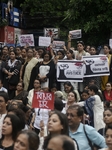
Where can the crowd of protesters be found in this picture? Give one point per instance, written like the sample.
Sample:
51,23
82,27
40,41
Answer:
82,115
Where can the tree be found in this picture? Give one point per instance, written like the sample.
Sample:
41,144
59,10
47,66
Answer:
93,17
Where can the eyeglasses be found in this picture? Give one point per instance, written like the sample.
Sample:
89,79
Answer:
108,85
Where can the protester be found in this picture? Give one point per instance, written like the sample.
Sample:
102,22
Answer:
105,79
83,134
11,70
107,117
27,68
3,111
26,140
57,125
10,129
46,71
98,107
19,94
108,138
108,92
68,87
61,142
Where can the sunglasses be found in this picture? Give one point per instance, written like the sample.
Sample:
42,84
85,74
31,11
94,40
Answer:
81,42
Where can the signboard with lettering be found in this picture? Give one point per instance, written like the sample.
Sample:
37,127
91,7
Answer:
26,39
43,100
70,70
96,65
75,34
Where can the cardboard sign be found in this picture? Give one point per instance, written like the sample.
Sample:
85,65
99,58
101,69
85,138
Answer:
70,71
96,65
44,41
75,34
26,39
51,32
58,45
43,100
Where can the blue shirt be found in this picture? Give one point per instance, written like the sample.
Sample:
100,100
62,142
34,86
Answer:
82,140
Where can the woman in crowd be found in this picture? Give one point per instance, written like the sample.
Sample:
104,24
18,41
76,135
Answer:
105,79
37,88
68,87
19,94
27,68
11,70
97,107
46,71
108,138
107,117
26,140
70,55
108,92
71,100
10,128
5,54
57,124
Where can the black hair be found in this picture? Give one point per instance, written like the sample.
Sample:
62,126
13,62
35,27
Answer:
64,122
33,139
106,46
80,110
85,91
5,96
75,94
15,124
80,42
18,112
47,52
108,127
69,84
58,105
95,89
61,51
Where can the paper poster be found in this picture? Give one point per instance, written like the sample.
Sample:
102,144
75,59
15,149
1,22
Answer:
58,45
51,32
75,34
44,41
26,39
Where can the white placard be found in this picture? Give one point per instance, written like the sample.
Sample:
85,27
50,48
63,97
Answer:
75,34
26,39
44,41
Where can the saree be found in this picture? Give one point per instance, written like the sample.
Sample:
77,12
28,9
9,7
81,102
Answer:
27,72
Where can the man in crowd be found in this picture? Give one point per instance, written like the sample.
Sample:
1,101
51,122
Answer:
84,135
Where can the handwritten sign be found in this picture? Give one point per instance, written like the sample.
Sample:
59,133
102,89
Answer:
44,41
75,34
43,100
26,39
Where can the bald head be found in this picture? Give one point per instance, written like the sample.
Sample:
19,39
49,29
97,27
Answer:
61,142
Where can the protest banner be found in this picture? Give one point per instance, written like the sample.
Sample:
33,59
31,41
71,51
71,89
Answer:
58,45
51,32
26,39
43,100
75,34
70,71
95,65
44,41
